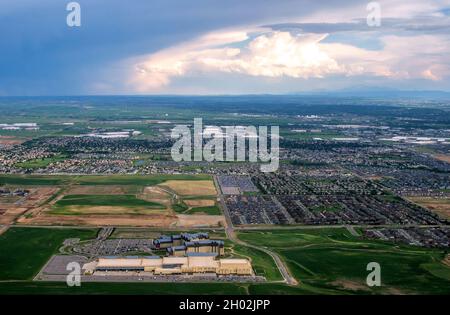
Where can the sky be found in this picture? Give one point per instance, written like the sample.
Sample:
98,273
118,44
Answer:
223,47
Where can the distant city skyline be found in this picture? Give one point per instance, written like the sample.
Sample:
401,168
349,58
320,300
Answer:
223,47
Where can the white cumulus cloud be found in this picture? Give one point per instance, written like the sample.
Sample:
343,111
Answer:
275,54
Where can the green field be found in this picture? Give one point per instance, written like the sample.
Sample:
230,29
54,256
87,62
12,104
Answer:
34,180
331,260
74,204
107,200
41,163
123,288
138,180
262,263
179,207
149,233
24,251
309,135
326,261
212,210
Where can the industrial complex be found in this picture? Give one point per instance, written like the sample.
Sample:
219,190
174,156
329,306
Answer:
187,253
191,263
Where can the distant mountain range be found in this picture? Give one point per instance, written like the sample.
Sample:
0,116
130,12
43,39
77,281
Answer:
382,93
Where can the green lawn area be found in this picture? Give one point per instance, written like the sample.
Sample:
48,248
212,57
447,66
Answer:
24,251
211,210
180,207
40,163
331,260
32,180
142,180
262,263
324,260
80,204
139,180
309,135
107,200
61,288
99,288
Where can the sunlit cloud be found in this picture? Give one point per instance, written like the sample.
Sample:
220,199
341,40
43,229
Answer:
275,54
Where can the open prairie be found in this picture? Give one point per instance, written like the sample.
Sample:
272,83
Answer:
113,200
442,157
439,205
192,188
325,260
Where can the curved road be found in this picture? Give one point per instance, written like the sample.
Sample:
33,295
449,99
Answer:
280,264
229,230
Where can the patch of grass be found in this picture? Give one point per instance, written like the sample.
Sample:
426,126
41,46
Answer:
138,180
107,200
83,204
321,258
21,180
141,180
103,288
262,263
332,208
24,251
199,197
41,163
180,207
211,210
391,198
309,135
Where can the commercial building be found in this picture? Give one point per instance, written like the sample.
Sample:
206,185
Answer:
166,241
180,245
201,246
191,263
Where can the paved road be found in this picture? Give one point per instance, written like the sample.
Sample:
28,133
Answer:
280,264
229,230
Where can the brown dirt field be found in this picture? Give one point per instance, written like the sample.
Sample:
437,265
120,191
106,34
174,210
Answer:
88,210
192,187
29,204
39,195
442,157
155,220
102,220
8,200
156,194
10,215
96,190
194,220
350,285
395,291
34,210
441,206
124,233
199,203
9,140
446,260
